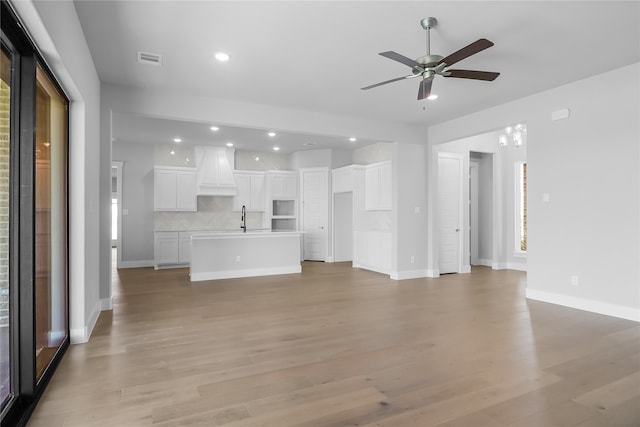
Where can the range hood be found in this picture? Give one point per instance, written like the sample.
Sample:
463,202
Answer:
214,174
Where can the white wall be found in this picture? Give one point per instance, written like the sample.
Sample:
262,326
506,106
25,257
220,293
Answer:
589,166
55,29
136,241
409,216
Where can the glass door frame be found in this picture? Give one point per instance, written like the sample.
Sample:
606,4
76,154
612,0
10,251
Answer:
27,389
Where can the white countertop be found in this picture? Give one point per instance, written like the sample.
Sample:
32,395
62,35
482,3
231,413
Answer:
240,234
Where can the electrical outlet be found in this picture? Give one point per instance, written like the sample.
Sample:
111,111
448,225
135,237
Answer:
574,281
413,259
237,258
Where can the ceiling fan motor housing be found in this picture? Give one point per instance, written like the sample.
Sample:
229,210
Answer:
429,60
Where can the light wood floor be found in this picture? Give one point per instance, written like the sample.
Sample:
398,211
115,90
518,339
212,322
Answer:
337,346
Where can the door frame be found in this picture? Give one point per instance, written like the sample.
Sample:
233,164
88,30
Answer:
327,217
474,217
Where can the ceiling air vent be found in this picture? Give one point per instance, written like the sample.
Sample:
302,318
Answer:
149,58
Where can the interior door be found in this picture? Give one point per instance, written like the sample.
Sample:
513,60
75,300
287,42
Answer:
450,211
314,184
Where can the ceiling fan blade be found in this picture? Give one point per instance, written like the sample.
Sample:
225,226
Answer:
467,51
425,89
400,58
410,76
471,74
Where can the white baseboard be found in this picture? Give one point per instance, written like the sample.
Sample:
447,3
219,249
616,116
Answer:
250,272
106,304
433,272
466,269
408,274
514,266
82,335
592,306
136,264
329,259
485,262
508,266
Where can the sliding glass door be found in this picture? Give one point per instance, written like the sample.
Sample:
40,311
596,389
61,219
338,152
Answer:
6,386
34,285
50,220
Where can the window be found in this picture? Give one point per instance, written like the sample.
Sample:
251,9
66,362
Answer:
6,386
521,207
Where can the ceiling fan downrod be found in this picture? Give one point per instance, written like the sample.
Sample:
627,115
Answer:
427,24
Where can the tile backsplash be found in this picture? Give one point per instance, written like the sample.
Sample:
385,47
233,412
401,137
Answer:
214,213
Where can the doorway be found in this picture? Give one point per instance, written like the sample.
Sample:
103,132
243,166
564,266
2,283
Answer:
116,209
481,208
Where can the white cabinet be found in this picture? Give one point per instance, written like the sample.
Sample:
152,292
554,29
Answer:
378,186
282,192
184,247
342,179
283,185
167,249
250,191
175,189
172,248
373,251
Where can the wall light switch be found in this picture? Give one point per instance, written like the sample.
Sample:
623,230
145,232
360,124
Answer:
237,258
125,211
545,197
416,209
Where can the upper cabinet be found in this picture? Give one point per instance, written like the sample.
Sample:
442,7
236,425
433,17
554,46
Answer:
378,186
250,191
214,171
343,180
175,189
283,185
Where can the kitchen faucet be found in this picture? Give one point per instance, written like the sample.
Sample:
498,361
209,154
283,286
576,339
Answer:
243,220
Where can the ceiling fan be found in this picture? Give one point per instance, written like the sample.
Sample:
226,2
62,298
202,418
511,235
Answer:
428,66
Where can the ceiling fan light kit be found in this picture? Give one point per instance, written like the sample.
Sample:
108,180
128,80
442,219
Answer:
428,65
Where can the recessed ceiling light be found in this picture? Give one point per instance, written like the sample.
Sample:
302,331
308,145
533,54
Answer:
229,144
214,128
177,140
432,97
222,57
352,139
271,134
172,152
276,148
257,159
309,144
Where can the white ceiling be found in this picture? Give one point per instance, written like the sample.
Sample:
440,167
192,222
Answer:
317,55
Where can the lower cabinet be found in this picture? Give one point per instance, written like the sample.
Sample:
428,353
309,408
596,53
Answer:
373,251
172,248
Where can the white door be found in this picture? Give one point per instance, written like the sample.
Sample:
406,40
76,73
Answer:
314,186
450,211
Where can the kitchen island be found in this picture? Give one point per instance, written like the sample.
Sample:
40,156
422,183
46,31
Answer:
250,254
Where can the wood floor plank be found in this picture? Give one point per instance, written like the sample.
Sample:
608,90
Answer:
337,346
